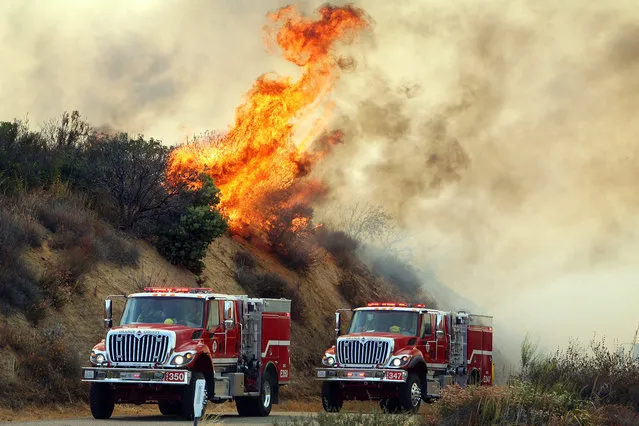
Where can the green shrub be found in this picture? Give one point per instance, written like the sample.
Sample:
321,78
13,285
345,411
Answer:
186,242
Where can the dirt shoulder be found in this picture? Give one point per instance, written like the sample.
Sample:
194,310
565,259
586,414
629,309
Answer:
60,412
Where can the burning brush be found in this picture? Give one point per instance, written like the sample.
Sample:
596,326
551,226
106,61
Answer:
262,172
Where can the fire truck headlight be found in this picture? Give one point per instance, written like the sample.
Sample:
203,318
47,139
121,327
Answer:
329,360
400,361
97,357
183,359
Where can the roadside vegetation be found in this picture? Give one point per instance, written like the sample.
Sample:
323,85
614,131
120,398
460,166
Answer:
581,385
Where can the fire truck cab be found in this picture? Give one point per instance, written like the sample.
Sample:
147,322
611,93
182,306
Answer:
402,354
168,338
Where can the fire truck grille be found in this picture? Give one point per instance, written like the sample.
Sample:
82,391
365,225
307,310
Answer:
360,352
142,348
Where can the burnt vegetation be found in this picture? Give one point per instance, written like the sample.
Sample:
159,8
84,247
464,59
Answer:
264,284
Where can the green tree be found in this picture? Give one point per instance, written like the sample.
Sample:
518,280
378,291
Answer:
186,242
124,177
25,161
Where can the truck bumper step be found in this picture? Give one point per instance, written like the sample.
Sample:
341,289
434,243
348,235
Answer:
361,375
136,375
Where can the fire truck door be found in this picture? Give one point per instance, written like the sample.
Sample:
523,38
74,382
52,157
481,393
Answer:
232,329
426,342
441,337
215,328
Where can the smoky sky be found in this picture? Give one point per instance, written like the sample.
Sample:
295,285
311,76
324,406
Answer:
165,69
504,131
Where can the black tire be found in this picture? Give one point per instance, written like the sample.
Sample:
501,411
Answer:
260,406
101,401
245,406
389,405
474,379
170,408
332,398
410,394
188,395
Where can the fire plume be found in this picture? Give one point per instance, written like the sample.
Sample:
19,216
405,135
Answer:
268,150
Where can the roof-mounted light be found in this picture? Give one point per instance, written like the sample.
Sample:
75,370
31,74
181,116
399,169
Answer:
177,290
387,304
394,305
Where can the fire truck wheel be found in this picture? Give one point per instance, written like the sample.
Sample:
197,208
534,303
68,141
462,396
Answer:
266,395
170,408
101,401
188,395
410,394
474,379
389,405
258,406
332,398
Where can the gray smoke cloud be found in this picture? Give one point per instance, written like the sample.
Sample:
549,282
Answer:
505,132
500,134
163,68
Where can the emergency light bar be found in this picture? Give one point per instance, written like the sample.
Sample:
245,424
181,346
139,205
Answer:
395,305
177,290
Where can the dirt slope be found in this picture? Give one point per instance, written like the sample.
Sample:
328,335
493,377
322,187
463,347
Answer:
80,320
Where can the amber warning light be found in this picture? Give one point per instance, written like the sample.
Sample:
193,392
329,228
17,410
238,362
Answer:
177,290
395,305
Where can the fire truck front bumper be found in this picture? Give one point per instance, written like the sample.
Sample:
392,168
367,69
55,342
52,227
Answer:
361,375
136,375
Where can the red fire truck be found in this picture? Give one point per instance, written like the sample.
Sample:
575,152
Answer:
401,354
168,338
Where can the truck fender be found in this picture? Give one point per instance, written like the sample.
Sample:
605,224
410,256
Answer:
418,365
204,363
271,368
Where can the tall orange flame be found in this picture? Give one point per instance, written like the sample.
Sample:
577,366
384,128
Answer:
258,157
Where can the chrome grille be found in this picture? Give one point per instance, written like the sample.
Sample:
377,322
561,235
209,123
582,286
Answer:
368,351
139,346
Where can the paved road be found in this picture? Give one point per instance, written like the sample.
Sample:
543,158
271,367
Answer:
222,419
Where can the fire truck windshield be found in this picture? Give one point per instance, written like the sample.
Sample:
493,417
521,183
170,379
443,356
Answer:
164,310
400,322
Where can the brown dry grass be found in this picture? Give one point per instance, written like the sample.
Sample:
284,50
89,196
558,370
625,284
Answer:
81,316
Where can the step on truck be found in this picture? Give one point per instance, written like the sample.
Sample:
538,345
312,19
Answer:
168,338
402,354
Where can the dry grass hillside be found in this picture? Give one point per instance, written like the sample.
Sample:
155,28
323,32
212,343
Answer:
43,347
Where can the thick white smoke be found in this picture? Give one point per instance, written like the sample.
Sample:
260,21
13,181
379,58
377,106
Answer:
501,134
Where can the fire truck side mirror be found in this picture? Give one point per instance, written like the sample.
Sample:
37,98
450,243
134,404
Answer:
337,323
108,314
228,324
